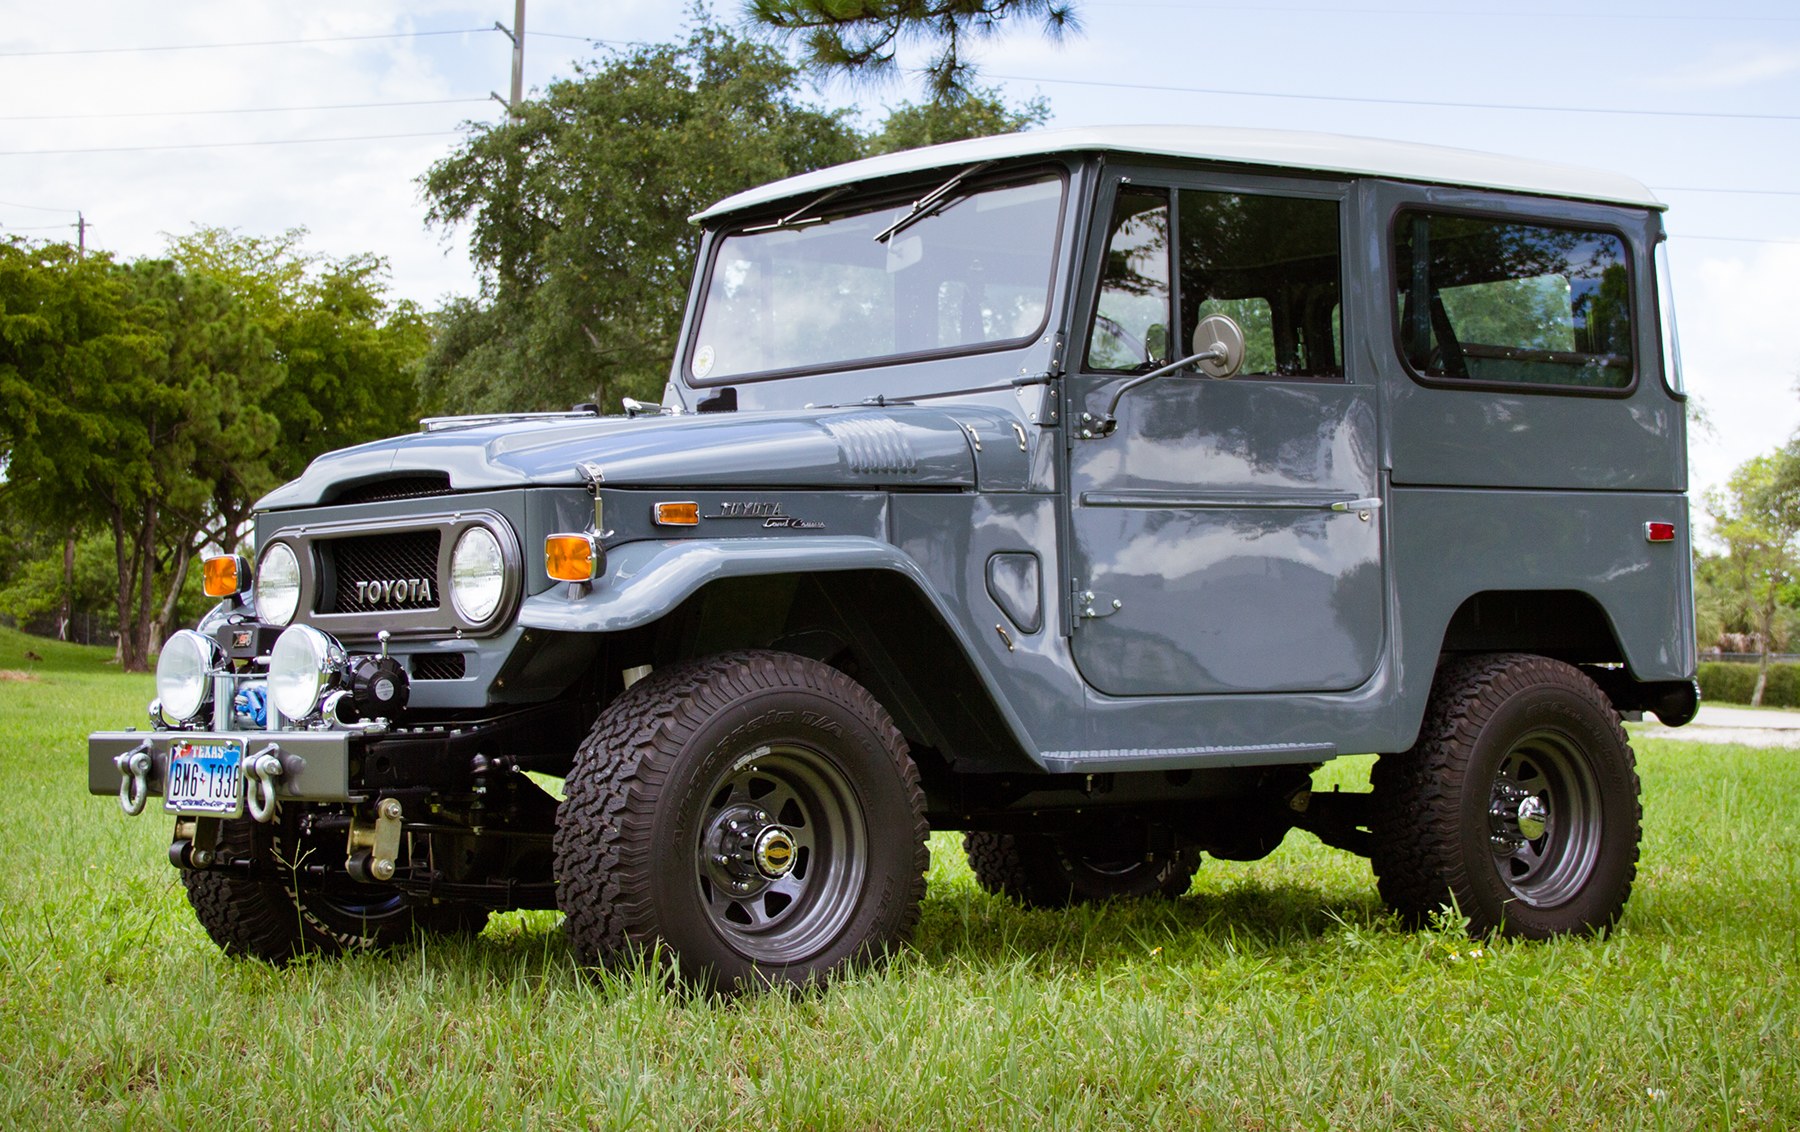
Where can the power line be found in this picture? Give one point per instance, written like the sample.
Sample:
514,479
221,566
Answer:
35,227
303,41
223,145
1559,14
240,43
35,207
1744,192
234,110
1404,101
1735,239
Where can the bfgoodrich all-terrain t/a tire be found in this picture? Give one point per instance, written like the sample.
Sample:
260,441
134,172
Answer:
1519,802
1041,870
756,814
282,912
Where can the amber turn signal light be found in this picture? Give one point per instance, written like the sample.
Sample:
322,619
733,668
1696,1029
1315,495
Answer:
573,557
677,514
224,575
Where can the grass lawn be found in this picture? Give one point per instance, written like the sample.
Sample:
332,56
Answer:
1275,994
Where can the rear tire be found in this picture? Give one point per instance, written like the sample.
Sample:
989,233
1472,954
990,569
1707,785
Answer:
1042,870
755,813
1519,803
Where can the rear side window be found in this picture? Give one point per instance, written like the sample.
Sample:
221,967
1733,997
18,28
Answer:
1498,302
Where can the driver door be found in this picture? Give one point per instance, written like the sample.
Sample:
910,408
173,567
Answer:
1226,537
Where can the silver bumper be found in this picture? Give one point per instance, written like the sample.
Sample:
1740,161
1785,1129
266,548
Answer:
315,765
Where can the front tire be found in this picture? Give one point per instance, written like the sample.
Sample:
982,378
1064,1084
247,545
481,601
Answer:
281,912
756,813
1519,802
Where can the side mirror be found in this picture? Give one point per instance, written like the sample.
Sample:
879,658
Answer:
1218,353
1218,346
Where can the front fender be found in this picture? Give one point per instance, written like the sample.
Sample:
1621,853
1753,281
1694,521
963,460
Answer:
646,580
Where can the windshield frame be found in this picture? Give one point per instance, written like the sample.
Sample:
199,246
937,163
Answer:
873,202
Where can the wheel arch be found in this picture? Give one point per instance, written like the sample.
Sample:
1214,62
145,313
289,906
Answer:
857,603
1572,626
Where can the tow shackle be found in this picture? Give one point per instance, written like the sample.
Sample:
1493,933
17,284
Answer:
134,778
261,771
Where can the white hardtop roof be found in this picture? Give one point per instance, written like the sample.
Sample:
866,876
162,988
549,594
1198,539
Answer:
1285,149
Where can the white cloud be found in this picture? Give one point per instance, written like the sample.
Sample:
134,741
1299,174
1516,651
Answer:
1734,65
1741,356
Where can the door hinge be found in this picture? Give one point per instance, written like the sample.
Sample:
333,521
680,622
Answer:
1095,603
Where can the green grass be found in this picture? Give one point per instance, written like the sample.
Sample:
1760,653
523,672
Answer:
1276,994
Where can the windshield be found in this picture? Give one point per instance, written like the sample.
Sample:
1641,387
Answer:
973,273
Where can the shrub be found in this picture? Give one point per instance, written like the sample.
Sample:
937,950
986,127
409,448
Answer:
1732,682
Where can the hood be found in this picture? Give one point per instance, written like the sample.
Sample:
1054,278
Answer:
895,445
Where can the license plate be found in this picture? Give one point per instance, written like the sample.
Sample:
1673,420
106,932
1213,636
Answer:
205,777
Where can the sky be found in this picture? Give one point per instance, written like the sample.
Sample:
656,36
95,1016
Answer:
148,120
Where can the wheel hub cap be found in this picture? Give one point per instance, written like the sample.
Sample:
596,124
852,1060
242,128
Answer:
774,852
1533,817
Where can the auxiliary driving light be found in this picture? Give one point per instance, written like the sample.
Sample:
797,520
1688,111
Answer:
302,667
184,674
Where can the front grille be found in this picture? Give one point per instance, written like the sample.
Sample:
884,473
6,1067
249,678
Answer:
439,666
378,573
394,487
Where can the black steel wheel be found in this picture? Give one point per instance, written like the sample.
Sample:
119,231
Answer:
1042,870
283,910
755,813
1519,802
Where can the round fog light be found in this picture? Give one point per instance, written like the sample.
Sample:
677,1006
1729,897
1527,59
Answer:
302,667
184,674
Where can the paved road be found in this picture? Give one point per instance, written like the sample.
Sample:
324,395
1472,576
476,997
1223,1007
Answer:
1764,727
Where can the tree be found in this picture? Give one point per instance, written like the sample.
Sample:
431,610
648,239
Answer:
154,402
982,113
1757,517
862,38
578,209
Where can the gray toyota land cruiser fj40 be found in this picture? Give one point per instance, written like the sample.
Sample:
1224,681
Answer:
1082,490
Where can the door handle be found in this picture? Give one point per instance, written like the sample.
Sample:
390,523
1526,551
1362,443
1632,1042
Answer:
1358,505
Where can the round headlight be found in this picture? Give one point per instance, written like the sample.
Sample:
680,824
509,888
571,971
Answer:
477,574
184,674
278,585
301,667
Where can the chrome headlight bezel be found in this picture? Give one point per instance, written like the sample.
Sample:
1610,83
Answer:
480,569
184,675
303,667
277,586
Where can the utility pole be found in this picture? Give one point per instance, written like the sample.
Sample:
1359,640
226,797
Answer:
517,35
81,229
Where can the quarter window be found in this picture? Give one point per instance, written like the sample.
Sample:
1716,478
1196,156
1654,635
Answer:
1493,301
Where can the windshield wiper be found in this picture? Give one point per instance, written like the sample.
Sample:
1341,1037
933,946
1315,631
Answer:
928,203
792,219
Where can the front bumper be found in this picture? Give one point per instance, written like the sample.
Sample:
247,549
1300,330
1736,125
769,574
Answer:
352,766
316,765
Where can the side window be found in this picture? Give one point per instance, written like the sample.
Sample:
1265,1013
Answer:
1273,265
1496,301
1131,320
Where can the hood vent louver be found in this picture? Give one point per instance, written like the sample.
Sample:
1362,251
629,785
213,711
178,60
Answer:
391,488
873,444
